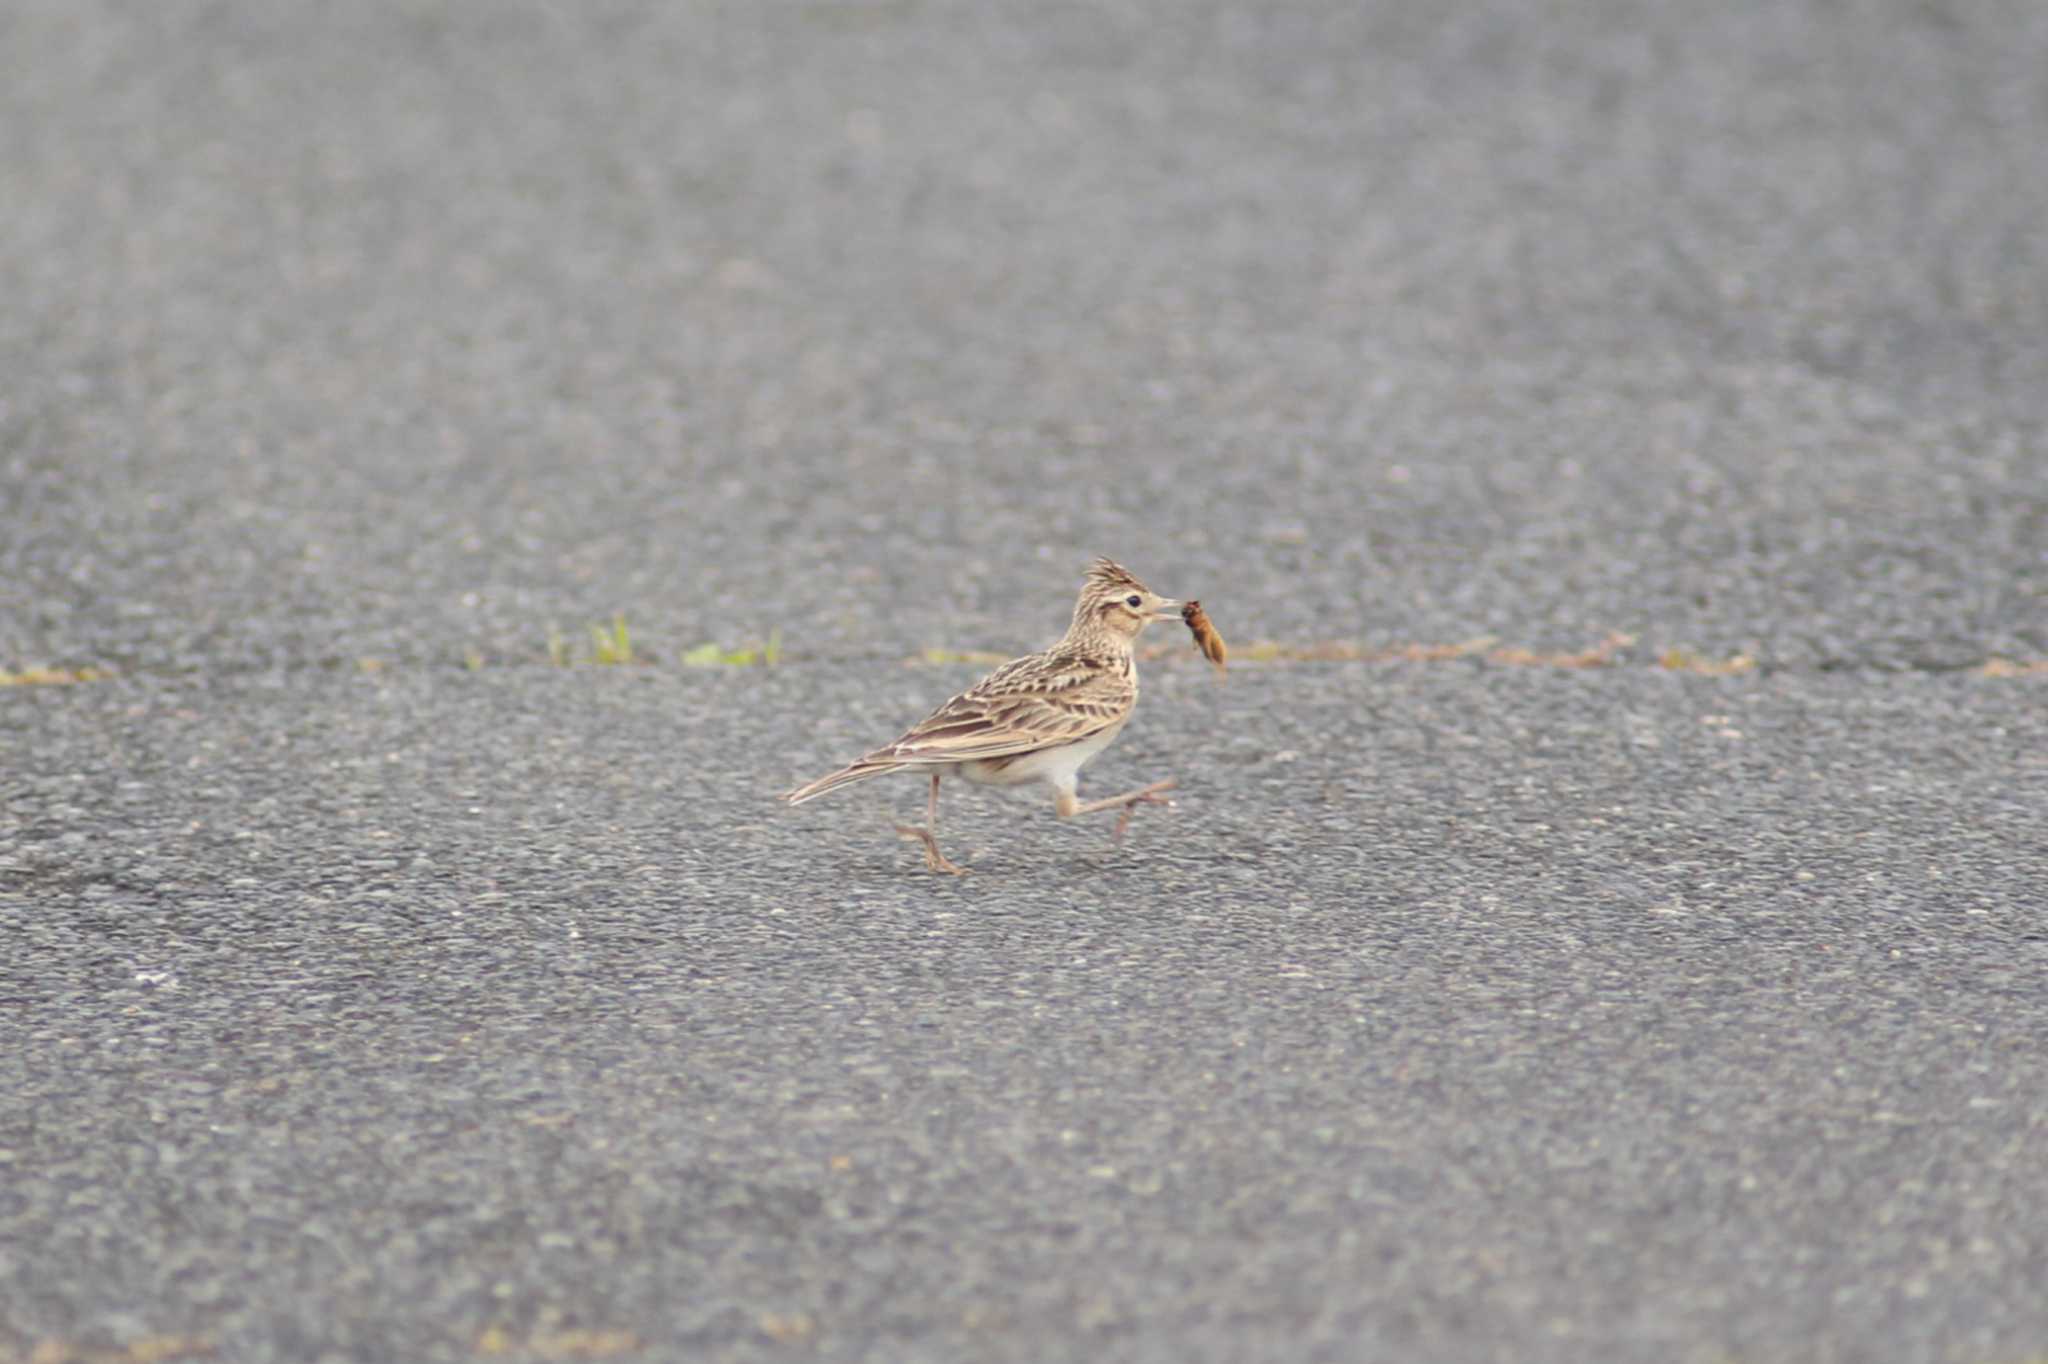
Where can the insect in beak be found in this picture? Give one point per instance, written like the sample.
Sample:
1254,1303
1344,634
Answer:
1206,638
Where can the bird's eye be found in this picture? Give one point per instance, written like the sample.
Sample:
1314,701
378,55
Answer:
1133,601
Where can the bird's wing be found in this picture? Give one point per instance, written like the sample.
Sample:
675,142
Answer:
1038,701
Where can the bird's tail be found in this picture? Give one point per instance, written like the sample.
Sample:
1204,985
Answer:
832,781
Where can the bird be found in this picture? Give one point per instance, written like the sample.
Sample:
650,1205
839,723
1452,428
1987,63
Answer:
1035,719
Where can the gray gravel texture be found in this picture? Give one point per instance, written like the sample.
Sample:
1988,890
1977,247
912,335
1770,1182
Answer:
373,988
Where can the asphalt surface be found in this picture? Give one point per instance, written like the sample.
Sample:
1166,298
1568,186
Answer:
376,986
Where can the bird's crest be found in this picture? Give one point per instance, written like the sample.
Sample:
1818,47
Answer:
1111,576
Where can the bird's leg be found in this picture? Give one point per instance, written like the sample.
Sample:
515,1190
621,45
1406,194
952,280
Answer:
1129,801
934,860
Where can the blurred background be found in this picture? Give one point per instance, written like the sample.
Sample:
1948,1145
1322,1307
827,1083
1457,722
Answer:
416,331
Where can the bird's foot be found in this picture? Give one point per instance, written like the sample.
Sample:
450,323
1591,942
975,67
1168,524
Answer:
1147,796
934,860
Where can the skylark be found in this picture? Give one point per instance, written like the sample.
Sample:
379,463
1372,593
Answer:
1036,718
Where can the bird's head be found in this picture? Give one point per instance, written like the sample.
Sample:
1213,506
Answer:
1115,603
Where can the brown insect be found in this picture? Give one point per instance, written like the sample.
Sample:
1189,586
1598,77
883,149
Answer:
1206,638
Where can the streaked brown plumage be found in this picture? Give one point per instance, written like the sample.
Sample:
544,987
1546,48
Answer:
1036,718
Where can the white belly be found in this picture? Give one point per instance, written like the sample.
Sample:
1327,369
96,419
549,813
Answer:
1054,766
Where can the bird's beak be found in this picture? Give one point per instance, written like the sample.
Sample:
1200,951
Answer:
1167,610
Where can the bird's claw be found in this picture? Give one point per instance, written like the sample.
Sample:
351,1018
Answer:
934,860
1123,819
